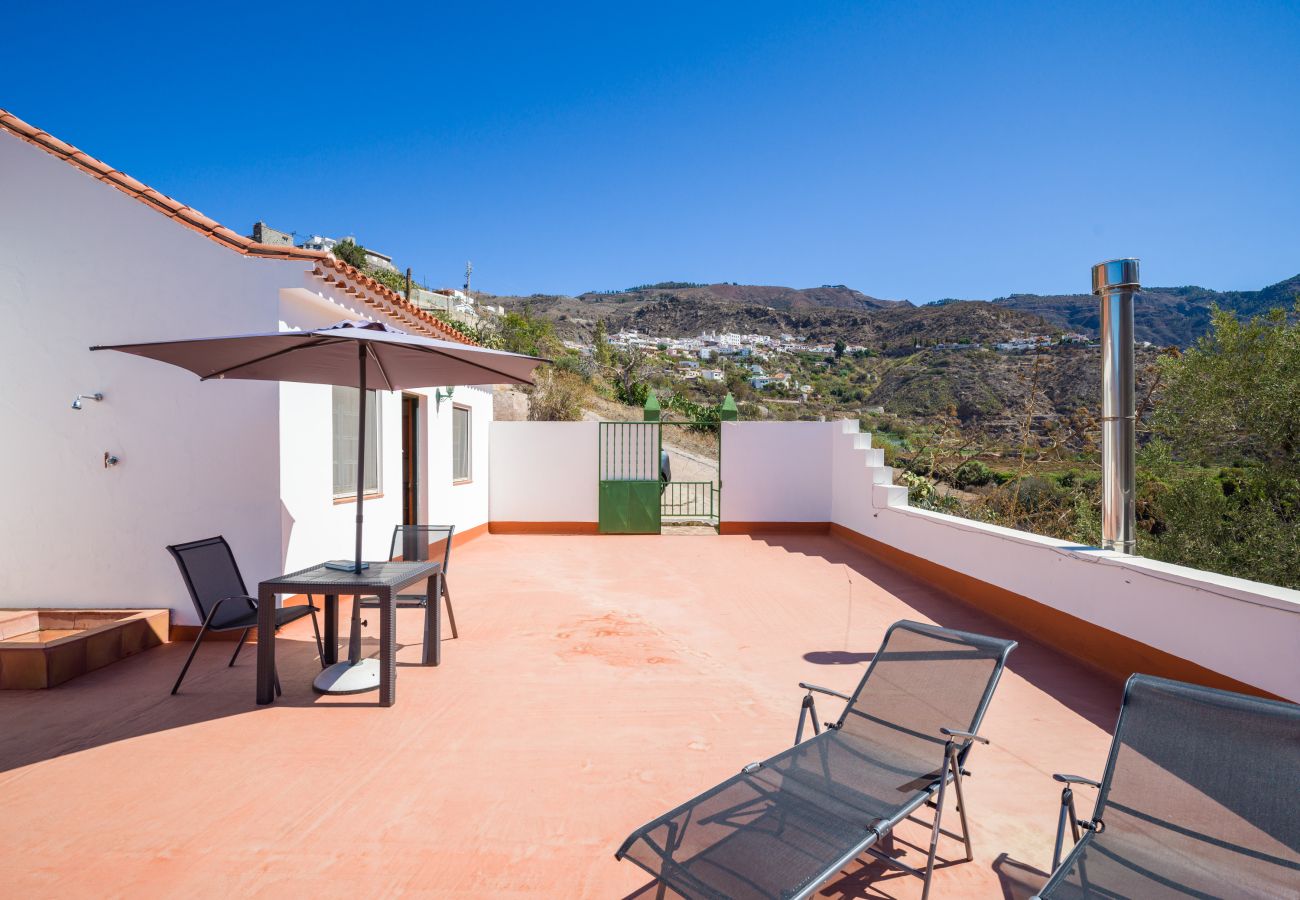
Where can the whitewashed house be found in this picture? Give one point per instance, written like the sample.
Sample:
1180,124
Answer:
88,255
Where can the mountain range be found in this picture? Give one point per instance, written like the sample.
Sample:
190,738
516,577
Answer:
1174,316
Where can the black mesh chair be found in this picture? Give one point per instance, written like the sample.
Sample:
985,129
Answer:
412,542
222,600
783,827
1198,799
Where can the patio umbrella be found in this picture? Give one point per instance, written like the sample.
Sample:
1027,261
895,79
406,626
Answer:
356,354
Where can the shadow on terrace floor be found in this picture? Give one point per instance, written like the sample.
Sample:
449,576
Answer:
875,879
131,698
1069,682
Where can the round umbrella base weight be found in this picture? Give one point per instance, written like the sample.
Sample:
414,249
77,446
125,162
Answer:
346,678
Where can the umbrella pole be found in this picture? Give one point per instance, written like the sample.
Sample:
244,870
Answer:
361,448
357,675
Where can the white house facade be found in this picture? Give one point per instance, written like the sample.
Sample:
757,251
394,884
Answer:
89,256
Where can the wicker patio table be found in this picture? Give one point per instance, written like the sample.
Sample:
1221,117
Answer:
382,579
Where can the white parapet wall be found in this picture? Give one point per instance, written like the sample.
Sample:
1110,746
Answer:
543,472
789,472
776,471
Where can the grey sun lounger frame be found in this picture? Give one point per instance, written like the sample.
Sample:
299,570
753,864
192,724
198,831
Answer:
1198,799
783,827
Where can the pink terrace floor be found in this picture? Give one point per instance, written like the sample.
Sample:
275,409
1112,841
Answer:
597,682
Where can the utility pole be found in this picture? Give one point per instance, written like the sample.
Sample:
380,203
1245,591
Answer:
469,270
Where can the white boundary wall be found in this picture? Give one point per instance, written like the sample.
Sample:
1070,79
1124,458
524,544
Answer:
776,471
544,472
1243,629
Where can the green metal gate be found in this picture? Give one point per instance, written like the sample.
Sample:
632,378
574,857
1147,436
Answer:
633,499
690,501
629,478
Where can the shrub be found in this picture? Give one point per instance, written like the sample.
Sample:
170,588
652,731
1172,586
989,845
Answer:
632,394
920,490
351,253
1239,521
1232,399
924,494
576,364
523,333
891,453
971,473
558,396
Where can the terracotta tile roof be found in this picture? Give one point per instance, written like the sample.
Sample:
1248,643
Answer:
329,269
353,281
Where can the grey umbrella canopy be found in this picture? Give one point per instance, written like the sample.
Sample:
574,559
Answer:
356,354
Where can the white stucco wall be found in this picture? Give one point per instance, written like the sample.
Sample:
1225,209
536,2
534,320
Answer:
1245,630
544,472
317,528
463,503
776,471
83,264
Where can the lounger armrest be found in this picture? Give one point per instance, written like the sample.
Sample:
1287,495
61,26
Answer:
964,735
823,690
1069,818
809,709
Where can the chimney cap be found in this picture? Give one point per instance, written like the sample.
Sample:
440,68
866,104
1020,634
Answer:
1114,275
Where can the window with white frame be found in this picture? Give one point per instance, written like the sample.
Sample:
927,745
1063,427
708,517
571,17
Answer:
345,442
460,443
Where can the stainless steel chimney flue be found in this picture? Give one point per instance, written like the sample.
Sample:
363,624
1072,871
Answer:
1115,282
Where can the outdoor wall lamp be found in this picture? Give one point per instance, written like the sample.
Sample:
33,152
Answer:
439,396
76,404
110,459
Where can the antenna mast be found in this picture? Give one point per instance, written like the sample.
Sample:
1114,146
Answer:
469,270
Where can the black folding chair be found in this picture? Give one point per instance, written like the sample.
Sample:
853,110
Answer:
783,827
412,542
1198,799
222,600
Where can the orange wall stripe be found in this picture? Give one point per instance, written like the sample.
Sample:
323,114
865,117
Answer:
770,527
543,527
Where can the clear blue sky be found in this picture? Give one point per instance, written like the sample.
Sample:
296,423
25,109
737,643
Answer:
911,150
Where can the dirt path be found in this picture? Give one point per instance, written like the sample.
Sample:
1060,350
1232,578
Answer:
688,465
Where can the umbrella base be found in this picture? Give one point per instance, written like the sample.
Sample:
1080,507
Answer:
346,678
